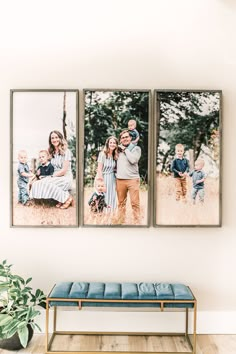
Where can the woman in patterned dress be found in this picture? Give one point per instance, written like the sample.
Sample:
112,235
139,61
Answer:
106,170
58,185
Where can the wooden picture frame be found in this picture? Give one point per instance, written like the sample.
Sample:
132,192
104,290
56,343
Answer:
106,114
36,117
191,121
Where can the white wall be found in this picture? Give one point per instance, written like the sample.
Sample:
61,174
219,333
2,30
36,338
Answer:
125,44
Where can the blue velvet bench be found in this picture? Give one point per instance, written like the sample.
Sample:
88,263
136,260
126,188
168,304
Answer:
158,296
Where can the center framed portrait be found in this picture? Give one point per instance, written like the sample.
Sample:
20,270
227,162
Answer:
44,177
116,154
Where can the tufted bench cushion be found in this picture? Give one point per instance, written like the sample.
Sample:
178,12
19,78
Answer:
121,292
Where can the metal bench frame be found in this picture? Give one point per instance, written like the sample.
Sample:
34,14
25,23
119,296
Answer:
162,308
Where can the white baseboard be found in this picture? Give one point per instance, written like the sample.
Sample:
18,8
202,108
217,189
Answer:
208,322
216,322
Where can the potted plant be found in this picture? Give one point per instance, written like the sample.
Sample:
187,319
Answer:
18,309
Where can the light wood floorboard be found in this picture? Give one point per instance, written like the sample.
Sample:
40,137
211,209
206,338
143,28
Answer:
206,344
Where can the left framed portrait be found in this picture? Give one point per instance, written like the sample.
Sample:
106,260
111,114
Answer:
44,177
116,176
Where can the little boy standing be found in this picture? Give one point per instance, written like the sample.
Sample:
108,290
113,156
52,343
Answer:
198,178
133,131
180,168
23,177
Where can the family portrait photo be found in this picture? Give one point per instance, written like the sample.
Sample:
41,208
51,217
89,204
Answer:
43,157
116,157
188,158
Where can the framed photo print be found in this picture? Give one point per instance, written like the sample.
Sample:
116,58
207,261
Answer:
188,144
116,158
43,158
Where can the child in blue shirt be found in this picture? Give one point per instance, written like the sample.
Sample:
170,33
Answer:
133,131
198,178
23,178
45,168
180,169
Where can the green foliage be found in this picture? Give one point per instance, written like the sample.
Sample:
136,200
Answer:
189,118
18,304
108,113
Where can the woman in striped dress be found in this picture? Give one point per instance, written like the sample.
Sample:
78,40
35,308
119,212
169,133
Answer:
106,170
58,185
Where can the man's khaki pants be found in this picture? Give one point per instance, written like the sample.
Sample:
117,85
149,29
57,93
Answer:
123,186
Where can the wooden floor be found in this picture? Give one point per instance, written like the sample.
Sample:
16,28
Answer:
206,344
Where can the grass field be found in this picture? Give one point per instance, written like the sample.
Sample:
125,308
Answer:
41,213
111,218
45,213
170,212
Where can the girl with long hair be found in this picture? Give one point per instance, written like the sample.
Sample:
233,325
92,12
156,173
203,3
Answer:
106,169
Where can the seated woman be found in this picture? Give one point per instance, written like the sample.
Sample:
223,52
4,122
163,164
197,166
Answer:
58,185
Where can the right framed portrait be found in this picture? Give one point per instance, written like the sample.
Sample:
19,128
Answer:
116,155
187,161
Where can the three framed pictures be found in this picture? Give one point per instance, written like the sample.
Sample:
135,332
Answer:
119,165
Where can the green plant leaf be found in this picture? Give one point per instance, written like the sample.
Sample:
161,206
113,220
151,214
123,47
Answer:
3,289
9,305
4,283
35,325
10,329
27,288
3,309
23,336
10,326
19,278
5,319
29,313
43,303
22,313
38,293
34,313
28,280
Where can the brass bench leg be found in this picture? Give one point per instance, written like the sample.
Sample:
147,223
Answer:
195,328
49,342
192,343
186,322
46,326
186,329
55,319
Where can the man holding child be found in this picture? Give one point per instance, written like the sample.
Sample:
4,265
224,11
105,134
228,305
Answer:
127,177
